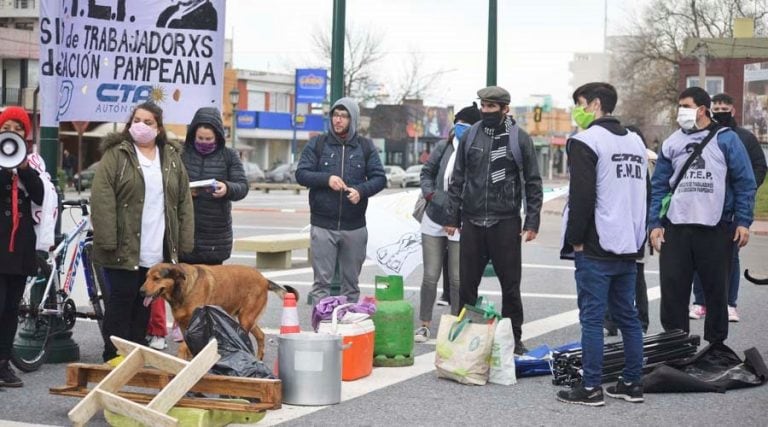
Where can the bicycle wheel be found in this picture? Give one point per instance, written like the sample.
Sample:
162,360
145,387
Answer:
31,347
31,350
99,298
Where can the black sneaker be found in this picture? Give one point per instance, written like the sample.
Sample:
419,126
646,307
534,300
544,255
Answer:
632,392
7,377
443,301
520,349
581,396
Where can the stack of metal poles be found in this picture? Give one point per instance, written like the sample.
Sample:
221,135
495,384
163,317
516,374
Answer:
659,348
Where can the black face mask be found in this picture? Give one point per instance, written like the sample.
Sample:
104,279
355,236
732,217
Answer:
724,118
492,120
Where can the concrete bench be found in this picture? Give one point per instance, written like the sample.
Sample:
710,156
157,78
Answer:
273,250
266,186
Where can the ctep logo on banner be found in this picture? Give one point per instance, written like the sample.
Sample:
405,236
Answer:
99,58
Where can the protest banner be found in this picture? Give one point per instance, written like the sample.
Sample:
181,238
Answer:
99,58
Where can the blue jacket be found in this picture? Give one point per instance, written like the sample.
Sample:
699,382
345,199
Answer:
740,187
344,158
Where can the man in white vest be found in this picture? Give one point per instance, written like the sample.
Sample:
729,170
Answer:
710,210
605,234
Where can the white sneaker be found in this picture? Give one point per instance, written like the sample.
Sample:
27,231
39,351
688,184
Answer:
158,343
697,311
733,315
421,334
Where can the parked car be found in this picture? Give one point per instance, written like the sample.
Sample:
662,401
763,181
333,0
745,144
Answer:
283,173
253,172
395,175
84,179
412,176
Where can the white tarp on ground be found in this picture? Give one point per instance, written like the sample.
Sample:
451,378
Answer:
394,237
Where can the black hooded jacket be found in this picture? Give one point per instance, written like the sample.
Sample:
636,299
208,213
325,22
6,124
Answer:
213,217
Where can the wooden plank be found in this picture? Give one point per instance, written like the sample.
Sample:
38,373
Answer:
116,379
152,357
267,391
134,411
121,375
185,379
184,402
85,409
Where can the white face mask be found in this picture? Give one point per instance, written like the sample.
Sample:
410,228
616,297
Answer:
686,118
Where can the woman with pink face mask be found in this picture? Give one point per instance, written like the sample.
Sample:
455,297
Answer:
206,157
142,215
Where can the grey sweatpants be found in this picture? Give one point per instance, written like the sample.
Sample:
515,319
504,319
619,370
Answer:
328,245
433,249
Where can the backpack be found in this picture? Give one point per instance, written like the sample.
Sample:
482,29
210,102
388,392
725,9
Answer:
364,142
44,216
513,148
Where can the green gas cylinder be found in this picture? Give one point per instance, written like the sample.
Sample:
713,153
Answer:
393,319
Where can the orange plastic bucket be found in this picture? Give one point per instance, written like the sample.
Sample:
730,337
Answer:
357,338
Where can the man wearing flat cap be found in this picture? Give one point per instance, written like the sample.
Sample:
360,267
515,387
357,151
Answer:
495,170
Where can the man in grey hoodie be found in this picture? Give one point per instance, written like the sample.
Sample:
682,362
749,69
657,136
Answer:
342,170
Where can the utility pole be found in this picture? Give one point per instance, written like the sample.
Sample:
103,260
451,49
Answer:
490,79
701,53
337,50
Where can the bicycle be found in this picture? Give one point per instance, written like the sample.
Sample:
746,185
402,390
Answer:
56,312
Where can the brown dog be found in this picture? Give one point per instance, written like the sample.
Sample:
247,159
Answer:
241,291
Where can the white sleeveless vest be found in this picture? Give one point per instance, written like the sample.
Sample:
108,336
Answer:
700,196
621,204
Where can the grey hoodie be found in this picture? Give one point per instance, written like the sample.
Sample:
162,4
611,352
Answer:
350,105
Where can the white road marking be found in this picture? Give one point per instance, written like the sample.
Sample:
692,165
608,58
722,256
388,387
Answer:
369,263
417,289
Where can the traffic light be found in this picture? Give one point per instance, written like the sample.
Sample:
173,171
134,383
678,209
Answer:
537,114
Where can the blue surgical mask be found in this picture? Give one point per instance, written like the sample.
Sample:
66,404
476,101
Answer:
459,129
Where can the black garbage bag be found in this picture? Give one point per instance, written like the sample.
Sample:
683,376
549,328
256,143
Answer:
716,368
235,347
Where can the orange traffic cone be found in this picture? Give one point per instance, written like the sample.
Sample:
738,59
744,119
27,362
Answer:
290,321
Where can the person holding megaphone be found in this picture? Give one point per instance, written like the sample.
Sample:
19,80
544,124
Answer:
20,186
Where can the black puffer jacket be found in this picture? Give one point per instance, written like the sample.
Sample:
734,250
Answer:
213,217
344,158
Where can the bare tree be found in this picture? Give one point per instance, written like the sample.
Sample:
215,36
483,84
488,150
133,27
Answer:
416,83
362,51
645,64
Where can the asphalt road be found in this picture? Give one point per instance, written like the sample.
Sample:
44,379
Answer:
414,395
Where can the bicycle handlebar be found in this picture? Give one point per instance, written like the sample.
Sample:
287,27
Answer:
81,203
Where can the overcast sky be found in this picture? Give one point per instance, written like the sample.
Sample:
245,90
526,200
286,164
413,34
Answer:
536,42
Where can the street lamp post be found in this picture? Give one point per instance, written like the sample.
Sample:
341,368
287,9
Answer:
234,99
326,111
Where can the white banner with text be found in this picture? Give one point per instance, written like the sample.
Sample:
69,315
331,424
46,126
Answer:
99,58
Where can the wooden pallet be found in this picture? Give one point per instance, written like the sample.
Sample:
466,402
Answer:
170,376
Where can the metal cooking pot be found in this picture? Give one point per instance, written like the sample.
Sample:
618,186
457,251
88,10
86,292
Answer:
310,368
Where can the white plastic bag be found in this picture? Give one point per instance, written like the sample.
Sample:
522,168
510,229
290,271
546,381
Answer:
503,354
44,215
